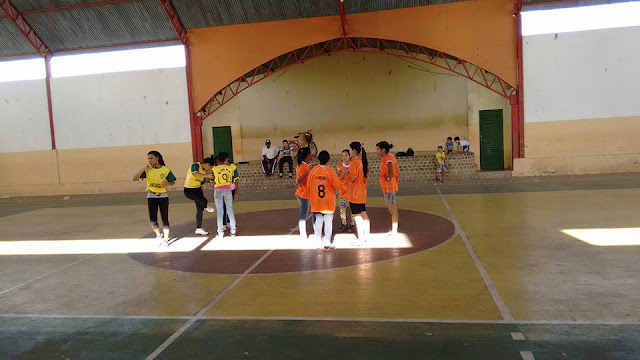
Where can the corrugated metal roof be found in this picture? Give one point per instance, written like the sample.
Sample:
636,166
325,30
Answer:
23,5
531,5
103,25
204,13
11,41
361,6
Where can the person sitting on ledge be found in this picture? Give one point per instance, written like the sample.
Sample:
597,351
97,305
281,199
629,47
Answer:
269,158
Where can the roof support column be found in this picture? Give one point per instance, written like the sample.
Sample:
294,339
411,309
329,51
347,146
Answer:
195,123
41,48
518,121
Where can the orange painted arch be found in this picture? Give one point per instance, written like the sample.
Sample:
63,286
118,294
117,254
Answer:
482,32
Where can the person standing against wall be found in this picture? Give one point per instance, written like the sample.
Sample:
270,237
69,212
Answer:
358,176
389,176
196,175
269,158
158,177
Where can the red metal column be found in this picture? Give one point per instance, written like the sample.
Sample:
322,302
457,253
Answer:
47,80
41,48
195,122
520,85
343,18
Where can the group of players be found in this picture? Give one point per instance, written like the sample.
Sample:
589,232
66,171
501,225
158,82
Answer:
318,185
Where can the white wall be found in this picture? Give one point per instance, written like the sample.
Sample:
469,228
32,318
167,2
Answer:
121,109
24,117
582,75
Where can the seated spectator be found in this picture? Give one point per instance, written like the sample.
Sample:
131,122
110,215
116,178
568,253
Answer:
285,152
269,158
449,145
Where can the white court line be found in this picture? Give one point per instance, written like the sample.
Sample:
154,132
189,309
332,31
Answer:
502,307
214,301
527,355
517,336
47,274
313,318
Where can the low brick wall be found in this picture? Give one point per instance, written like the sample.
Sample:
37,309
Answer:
413,169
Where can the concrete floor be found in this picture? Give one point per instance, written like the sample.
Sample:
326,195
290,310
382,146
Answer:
512,282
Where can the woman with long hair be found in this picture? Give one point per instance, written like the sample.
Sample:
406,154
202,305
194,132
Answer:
389,176
158,177
303,158
343,195
358,176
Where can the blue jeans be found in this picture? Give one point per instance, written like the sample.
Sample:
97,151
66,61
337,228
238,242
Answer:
224,200
304,208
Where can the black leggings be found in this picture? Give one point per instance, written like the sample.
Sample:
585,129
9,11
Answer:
201,202
163,204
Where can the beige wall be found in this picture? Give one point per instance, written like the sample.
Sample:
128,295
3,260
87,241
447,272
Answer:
479,98
347,97
85,171
588,146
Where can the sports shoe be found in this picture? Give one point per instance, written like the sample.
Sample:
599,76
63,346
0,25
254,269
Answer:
233,234
220,236
159,236
327,248
280,175
350,229
290,175
201,231
209,209
343,228
332,247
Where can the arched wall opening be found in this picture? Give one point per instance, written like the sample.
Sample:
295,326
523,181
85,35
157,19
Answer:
414,100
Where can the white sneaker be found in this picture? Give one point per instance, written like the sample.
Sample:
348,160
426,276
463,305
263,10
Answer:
201,231
220,236
209,209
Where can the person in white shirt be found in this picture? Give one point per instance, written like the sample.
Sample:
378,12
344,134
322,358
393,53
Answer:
461,145
269,158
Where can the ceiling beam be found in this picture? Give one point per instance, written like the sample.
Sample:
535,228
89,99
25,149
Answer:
173,16
25,28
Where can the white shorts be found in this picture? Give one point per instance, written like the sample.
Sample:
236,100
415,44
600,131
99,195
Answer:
441,168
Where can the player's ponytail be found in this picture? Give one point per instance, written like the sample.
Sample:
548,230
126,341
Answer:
359,149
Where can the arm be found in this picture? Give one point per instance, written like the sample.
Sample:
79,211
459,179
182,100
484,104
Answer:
136,177
200,176
390,169
353,174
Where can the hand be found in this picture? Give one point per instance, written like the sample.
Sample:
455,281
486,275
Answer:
208,176
148,166
388,178
162,183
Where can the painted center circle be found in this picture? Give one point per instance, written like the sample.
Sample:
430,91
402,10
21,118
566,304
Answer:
261,231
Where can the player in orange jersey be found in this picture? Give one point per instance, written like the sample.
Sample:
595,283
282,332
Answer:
389,176
343,195
358,176
303,158
323,183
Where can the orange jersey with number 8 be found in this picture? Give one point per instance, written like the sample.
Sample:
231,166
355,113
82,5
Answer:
323,183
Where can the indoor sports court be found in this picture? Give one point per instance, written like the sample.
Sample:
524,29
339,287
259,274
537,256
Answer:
523,244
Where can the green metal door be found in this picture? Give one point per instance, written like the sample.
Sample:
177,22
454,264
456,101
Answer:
222,141
491,140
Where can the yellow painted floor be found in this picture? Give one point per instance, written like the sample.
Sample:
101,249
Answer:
540,273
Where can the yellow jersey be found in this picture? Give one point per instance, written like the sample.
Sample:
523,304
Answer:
191,181
224,176
440,156
155,177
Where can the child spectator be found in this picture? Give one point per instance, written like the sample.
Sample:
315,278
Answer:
449,145
343,196
441,168
461,145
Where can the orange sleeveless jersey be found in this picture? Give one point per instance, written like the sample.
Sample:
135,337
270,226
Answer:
358,187
344,182
323,184
303,189
389,186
